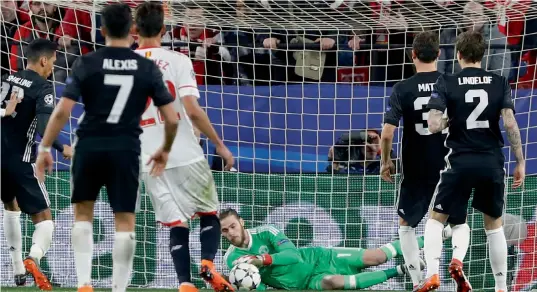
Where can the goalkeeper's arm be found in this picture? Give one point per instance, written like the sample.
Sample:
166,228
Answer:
286,252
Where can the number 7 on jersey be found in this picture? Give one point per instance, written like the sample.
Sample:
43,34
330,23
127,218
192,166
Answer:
125,83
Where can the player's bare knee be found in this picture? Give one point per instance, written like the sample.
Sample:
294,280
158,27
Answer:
12,206
403,222
442,218
124,221
41,216
83,211
492,223
332,282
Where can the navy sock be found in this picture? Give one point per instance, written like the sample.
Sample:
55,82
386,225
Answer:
180,253
209,236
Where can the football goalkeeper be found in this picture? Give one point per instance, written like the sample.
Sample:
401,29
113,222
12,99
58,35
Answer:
283,266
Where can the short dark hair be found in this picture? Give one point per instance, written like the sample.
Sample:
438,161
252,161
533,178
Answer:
471,46
149,19
426,46
117,19
228,212
40,48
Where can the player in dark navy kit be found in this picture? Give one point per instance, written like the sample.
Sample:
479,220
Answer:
115,84
21,190
422,151
474,100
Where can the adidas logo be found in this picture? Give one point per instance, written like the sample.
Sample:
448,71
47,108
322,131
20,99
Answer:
411,267
499,274
439,207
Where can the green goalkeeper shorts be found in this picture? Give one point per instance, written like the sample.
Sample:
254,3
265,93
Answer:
335,261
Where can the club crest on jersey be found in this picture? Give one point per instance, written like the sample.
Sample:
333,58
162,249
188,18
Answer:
262,249
49,99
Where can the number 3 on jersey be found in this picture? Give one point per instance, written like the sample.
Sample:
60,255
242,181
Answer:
419,104
152,121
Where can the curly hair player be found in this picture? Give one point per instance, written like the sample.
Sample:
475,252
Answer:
284,266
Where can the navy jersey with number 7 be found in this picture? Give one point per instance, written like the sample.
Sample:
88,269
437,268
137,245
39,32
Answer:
473,99
114,84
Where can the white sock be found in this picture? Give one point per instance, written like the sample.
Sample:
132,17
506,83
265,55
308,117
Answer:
433,246
122,257
13,233
411,250
498,257
460,240
41,239
82,241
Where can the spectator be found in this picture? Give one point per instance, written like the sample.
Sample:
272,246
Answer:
207,57
496,60
357,153
77,25
9,26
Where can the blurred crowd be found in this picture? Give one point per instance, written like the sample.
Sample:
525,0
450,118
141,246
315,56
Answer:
232,56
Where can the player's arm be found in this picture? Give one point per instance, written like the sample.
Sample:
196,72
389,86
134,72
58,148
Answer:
286,252
392,116
510,124
44,108
437,105
62,111
164,101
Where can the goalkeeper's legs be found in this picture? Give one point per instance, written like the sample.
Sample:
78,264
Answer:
358,281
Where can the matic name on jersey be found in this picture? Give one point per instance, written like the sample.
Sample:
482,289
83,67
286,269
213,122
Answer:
36,96
422,152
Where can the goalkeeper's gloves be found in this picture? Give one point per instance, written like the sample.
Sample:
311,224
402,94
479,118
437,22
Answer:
258,261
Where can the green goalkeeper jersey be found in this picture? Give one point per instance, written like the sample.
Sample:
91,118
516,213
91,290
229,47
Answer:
288,269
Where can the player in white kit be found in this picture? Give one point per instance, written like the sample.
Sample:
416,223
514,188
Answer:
186,188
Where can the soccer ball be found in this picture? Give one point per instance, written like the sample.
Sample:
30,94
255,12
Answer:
245,277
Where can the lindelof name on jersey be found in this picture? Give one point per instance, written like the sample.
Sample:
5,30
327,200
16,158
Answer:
111,64
475,80
425,87
19,81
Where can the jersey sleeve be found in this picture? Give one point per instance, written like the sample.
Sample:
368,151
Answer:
160,93
286,253
439,95
186,79
394,111
230,256
72,89
45,100
507,100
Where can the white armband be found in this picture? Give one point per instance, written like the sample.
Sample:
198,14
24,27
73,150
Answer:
3,112
41,148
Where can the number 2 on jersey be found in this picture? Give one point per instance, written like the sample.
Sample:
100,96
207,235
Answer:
152,121
419,103
125,83
471,121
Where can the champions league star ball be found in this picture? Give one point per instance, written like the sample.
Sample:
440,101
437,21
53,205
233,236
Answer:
245,277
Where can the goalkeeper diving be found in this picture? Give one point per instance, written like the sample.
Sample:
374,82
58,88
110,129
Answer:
284,266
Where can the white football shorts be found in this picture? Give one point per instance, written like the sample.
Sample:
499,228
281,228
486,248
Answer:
182,192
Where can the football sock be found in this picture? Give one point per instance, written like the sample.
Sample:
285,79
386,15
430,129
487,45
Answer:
460,240
13,233
498,257
41,239
433,246
410,250
180,252
82,241
368,279
122,258
209,236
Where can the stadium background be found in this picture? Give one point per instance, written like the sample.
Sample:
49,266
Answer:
281,136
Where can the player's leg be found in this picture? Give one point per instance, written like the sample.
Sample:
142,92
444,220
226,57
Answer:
460,241
352,282
12,225
169,205
489,199
413,202
201,191
32,198
122,185
88,170
452,191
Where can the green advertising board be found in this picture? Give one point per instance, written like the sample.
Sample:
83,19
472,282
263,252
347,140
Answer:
320,210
